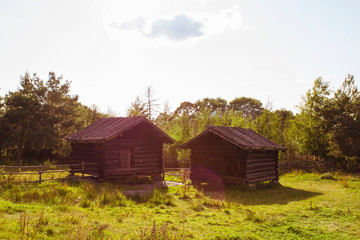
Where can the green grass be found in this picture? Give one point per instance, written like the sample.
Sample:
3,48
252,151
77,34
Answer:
303,206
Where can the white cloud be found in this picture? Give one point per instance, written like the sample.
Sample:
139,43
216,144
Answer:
137,23
180,28
227,19
186,28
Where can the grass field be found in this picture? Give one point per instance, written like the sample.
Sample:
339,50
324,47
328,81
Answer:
303,206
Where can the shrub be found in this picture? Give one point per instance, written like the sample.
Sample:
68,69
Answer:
139,198
197,206
327,176
213,203
251,216
160,197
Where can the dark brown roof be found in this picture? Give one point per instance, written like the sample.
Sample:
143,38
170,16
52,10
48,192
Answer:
244,138
106,129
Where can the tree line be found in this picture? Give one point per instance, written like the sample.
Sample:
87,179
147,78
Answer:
326,126
36,118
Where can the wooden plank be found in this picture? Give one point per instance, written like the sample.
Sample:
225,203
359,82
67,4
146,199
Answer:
263,179
230,179
134,169
147,156
261,174
210,166
147,147
253,156
249,171
139,173
145,165
84,149
212,148
261,160
155,160
148,151
124,158
260,165
131,170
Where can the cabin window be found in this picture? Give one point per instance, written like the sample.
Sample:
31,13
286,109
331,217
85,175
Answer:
124,160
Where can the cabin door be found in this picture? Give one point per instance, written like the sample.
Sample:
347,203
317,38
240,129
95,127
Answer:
124,159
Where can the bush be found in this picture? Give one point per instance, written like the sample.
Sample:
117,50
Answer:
327,176
160,197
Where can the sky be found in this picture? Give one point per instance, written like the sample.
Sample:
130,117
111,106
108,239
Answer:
111,50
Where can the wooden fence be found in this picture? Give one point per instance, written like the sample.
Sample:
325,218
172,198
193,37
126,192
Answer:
306,165
184,173
41,170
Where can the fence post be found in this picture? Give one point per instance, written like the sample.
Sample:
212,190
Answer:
40,173
82,168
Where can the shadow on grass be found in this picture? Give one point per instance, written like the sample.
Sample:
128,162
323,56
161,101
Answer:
275,195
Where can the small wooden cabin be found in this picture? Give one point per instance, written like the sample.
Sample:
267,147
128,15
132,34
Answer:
119,147
233,154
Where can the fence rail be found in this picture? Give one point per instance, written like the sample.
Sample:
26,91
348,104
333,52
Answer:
307,165
40,170
184,172
83,168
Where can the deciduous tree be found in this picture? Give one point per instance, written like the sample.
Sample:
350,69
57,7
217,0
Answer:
249,107
314,139
341,117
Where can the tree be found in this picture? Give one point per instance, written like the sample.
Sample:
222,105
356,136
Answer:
38,116
341,117
284,116
23,115
212,104
93,113
186,108
137,108
64,115
314,140
163,119
265,124
150,102
249,107
181,123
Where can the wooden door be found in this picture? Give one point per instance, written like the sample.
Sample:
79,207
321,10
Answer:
124,160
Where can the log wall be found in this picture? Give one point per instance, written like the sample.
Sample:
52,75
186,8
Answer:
137,151
87,153
211,155
261,166
145,149
219,158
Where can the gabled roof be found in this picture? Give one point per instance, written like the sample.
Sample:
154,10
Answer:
106,129
243,138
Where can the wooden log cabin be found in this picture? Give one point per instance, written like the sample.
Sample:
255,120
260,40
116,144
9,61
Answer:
119,147
233,154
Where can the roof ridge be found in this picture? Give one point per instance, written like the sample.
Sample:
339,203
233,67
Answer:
107,128
241,137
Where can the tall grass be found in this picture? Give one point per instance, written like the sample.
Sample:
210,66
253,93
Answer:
90,210
159,232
